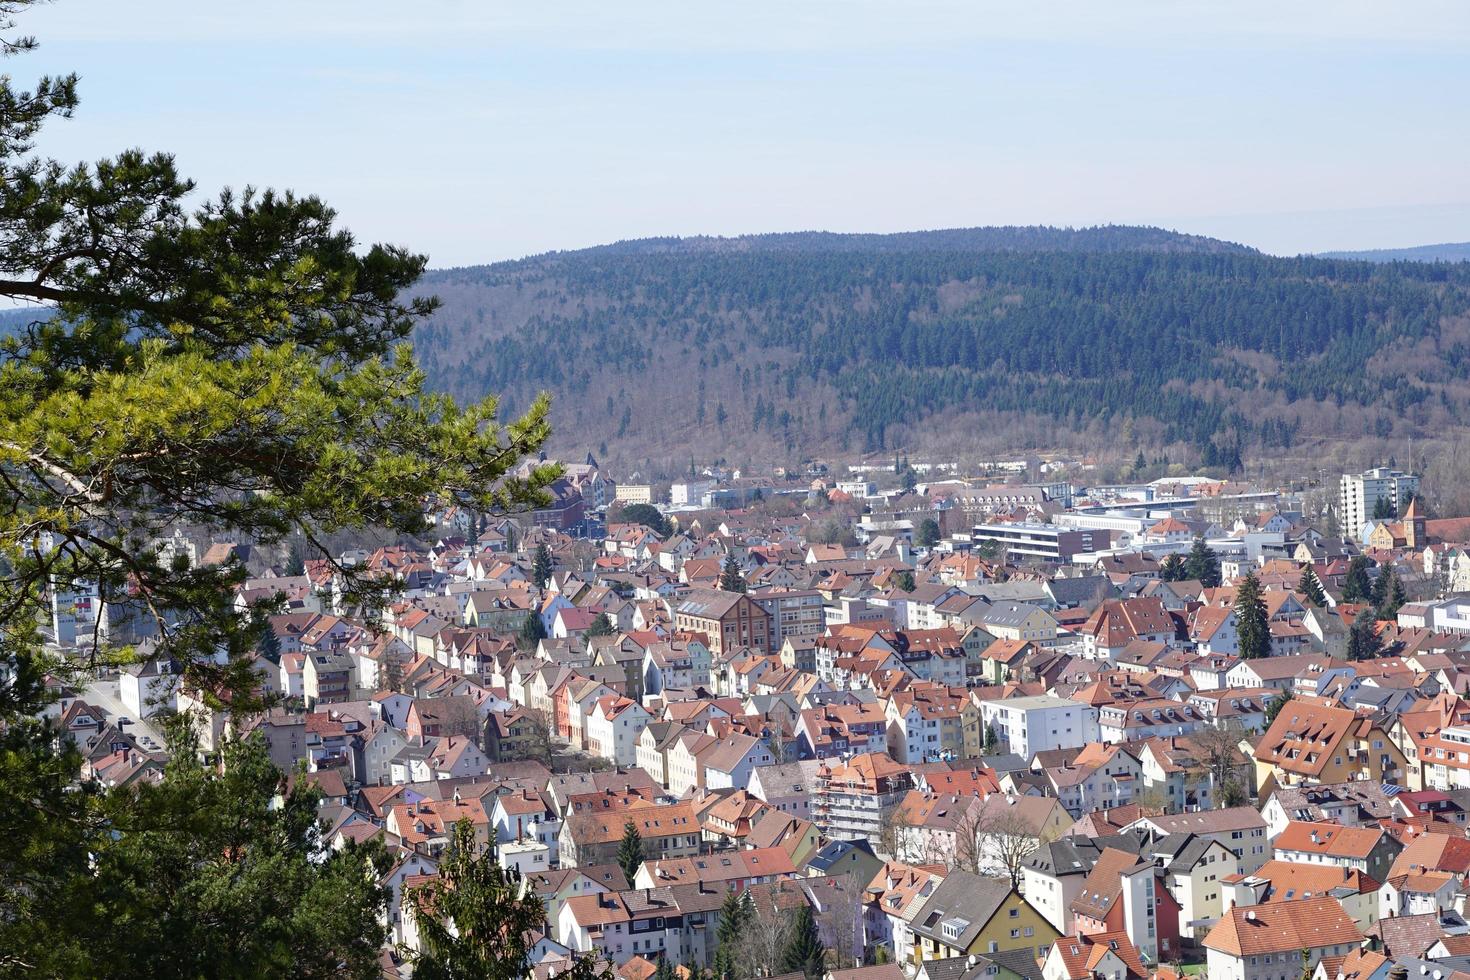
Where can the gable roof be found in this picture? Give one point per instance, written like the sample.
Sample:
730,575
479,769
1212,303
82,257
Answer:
1279,927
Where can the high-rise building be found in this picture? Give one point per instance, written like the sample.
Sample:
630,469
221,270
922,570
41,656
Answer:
1361,493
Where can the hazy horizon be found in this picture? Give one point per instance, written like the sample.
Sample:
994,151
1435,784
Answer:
483,132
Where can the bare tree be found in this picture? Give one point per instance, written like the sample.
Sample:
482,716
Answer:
1219,760
537,744
899,838
840,918
763,939
459,715
994,838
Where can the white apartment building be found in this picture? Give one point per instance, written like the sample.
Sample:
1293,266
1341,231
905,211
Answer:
1039,723
1362,491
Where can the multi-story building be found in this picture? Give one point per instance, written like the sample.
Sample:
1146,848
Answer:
793,612
1361,492
852,801
1047,542
633,493
1039,723
728,619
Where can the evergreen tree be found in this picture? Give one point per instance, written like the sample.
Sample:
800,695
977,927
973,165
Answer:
296,559
903,580
992,742
1355,586
1394,595
602,625
735,913
927,535
541,569
804,952
474,917
731,580
630,851
1171,569
1252,629
1364,643
224,880
234,362
1378,591
665,969
1202,564
532,631
1274,708
270,645
1383,509
1311,588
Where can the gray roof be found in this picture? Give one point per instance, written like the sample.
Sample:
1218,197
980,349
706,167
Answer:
966,899
1009,613
1081,590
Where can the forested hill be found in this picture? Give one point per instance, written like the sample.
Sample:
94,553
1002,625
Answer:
972,338
1447,252
1034,238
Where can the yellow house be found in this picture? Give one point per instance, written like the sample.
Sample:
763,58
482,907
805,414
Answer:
1020,621
972,914
1313,741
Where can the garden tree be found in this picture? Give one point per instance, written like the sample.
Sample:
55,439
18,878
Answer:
731,580
1364,643
532,631
1274,708
764,934
1202,564
1171,569
1355,585
647,515
1378,591
840,920
222,880
992,742
630,851
602,625
237,367
735,911
537,746
1311,588
1383,509
475,919
804,951
927,535
270,645
903,580
1218,757
993,837
1394,595
1252,626
664,970
296,558
541,568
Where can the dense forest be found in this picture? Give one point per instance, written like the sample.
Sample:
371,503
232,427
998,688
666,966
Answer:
813,341
1446,252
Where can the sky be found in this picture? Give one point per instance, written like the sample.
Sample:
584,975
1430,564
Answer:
480,130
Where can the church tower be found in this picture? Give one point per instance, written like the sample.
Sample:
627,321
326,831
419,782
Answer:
1415,535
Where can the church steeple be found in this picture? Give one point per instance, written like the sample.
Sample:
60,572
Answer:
1415,535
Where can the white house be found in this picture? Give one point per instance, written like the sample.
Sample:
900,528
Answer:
1039,723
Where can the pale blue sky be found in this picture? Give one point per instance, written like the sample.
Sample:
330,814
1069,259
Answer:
479,131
